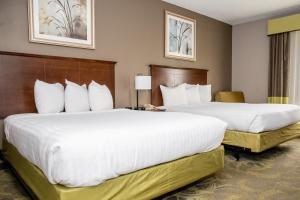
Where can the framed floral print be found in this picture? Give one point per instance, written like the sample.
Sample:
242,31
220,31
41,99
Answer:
62,22
180,37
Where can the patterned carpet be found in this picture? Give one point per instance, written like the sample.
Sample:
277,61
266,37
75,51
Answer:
272,175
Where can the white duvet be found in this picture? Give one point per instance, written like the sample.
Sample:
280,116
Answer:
85,149
245,117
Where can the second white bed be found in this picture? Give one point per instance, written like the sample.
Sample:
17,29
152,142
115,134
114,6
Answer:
85,149
254,118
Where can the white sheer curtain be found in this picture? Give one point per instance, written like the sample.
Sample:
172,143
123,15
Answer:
294,72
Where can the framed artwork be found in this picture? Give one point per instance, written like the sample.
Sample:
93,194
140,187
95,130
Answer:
180,37
62,22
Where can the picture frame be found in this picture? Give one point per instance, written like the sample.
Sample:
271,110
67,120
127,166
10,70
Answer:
180,37
62,22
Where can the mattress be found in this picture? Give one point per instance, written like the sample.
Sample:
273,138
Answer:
85,149
254,118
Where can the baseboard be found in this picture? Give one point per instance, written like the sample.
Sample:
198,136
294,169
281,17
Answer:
1,161
3,165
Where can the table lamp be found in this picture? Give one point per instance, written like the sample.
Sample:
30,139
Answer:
141,83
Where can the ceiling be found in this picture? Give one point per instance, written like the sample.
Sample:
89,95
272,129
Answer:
239,11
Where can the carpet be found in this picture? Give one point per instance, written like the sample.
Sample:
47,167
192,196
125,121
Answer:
271,175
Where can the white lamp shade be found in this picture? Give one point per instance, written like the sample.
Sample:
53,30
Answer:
143,82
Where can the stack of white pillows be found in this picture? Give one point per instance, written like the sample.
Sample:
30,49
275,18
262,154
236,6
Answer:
186,94
53,98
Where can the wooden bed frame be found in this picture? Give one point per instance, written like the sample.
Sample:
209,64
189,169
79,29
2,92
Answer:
18,74
173,76
20,71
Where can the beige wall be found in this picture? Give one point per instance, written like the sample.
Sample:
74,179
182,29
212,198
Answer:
250,58
130,32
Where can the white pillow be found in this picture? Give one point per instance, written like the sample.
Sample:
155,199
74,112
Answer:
100,97
205,93
49,98
193,95
76,98
174,96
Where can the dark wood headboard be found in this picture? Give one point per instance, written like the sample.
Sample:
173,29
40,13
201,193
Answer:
18,73
171,77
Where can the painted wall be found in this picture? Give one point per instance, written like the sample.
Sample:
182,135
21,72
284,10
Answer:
1,132
250,60
130,32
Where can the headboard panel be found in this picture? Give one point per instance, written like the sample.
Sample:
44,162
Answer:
18,73
172,76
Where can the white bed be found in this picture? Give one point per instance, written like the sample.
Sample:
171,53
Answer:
254,118
85,149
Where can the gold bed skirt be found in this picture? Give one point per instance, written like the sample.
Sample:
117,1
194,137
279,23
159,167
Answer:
259,142
143,184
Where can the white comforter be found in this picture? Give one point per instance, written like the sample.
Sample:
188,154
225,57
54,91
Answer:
85,149
253,118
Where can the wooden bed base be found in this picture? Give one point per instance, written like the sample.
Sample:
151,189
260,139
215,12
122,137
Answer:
148,183
259,142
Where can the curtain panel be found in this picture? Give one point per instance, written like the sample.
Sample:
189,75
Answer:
279,68
294,68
